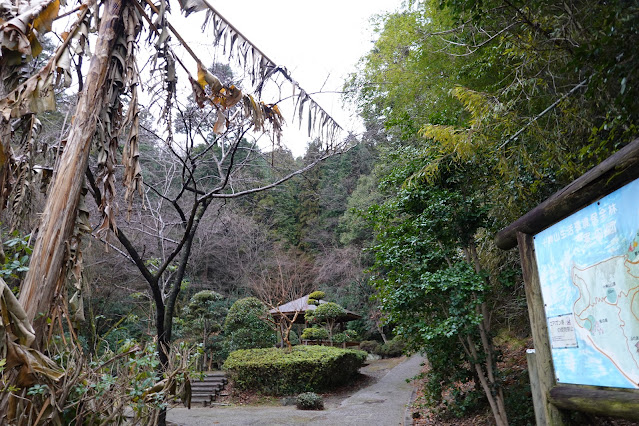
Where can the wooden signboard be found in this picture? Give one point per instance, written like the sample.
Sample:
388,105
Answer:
580,260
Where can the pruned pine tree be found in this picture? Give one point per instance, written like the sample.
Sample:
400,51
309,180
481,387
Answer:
107,119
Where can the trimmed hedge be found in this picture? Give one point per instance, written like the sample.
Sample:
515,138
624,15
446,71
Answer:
274,371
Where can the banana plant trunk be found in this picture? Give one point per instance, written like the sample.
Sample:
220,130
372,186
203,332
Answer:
46,276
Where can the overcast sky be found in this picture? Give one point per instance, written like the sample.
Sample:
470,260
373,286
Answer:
313,40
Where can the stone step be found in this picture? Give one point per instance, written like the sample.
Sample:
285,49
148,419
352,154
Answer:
208,395
207,385
211,380
204,401
203,397
213,392
206,390
204,384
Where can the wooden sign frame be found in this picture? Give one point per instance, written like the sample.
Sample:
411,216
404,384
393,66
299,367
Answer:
549,397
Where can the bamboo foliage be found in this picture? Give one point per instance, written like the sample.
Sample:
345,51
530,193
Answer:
489,118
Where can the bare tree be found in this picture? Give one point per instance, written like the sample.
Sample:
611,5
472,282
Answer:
221,169
230,253
289,277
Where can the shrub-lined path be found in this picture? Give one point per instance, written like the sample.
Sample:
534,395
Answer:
383,403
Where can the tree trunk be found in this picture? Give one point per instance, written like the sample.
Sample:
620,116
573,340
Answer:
176,285
495,399
46,268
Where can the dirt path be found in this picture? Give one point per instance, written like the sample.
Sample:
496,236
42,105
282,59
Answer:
382,403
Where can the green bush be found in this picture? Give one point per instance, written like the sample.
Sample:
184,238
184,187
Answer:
245,327
315,333
370,346
315,297
309,401
325,313
340,338
346,336
293,338
305,369
393,348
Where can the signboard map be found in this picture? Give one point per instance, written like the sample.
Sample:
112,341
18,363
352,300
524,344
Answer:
589,274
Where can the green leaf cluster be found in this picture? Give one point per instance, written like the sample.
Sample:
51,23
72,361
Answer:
315,297
17,253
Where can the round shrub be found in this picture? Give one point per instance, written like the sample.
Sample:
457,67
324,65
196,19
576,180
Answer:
370,346
325,313
315,297
340,338
245,326
314,333
309,401
293,338
393,348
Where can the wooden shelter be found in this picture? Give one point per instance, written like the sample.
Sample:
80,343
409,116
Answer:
301,306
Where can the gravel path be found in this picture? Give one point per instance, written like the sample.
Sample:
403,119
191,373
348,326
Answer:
380,404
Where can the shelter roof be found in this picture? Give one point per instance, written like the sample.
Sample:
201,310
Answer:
301,306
